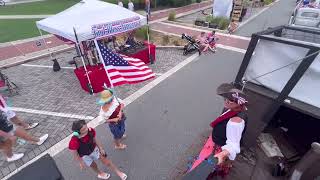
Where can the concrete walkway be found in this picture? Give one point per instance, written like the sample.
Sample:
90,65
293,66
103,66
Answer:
12,2
24,16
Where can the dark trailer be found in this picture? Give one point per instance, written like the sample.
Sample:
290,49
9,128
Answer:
280,73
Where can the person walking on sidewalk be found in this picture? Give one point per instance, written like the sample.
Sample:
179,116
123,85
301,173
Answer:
130,5
9,134
13,117
87,149
111,112
120,3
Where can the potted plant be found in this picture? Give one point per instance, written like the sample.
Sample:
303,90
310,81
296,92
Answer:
199,22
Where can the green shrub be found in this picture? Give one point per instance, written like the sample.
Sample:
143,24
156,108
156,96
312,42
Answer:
198,1
209,18
267,2
142,33
215,20
223,23
172,16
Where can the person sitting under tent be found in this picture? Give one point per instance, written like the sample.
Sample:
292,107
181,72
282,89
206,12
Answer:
131,41
113,44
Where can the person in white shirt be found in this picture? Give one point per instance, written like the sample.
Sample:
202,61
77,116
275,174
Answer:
227,130
120,3
13,117
111,112
130,5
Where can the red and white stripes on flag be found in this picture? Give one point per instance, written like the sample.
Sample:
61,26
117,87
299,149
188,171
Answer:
137,72
122,69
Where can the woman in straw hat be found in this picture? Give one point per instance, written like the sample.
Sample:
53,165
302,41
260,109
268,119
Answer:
112,113
227,131
228,128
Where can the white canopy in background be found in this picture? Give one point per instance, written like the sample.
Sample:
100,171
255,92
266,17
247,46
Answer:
222,8
107,19
269,56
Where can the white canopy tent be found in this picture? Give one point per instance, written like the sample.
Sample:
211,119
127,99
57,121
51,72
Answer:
91,19
87,13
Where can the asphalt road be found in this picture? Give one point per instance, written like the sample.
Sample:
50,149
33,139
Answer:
276,15
164,123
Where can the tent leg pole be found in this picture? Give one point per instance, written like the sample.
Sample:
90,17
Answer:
45,43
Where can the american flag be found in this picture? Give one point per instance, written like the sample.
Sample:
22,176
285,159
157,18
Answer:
124,70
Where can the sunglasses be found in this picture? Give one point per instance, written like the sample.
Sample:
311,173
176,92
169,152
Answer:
229,101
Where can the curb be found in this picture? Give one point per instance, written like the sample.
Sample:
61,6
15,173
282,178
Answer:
24,59
166,47
194,26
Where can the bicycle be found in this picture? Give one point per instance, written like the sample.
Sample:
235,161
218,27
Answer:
12,88
2,3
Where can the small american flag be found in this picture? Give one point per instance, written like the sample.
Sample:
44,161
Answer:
122,69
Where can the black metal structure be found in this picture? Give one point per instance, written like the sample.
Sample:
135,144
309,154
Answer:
271,101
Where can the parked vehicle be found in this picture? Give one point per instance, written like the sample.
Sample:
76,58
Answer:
306,17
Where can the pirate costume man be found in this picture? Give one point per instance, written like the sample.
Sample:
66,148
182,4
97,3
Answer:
224,142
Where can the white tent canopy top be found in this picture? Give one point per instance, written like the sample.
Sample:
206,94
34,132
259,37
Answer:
92,19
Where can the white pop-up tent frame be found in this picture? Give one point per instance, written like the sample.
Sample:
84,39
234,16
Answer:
91,20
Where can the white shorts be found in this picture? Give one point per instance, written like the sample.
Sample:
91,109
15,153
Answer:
10,114
88,159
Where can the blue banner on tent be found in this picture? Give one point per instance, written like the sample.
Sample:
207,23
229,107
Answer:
116,27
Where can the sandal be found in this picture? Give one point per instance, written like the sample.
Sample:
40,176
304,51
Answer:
121,147
124,136
31,126
124,176
104,176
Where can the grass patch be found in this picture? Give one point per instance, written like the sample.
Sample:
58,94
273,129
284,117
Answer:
15,29
41,7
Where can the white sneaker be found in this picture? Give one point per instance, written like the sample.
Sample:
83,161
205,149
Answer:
15,157
43,139
104,176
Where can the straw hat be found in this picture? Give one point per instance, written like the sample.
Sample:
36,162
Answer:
105,97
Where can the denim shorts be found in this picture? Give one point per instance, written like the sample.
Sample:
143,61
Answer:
12,132
118,129
88,159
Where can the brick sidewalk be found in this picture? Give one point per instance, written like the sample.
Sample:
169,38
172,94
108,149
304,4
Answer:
20,49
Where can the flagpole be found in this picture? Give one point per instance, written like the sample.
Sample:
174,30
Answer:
104,65
82,59
148,29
